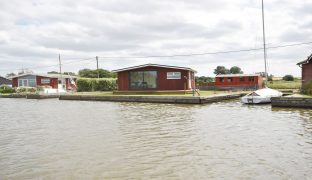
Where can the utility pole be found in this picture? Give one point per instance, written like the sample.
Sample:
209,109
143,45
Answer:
264,45
97,66
60,64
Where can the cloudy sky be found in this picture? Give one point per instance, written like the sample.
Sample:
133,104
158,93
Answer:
34,32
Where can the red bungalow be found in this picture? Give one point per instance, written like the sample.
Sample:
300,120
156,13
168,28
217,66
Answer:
239,81
306,66
155,77
55,81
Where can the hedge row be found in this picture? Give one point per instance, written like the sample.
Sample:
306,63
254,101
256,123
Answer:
6,89
91,84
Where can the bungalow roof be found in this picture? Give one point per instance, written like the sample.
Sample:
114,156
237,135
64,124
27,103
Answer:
46,75
154,65
305,61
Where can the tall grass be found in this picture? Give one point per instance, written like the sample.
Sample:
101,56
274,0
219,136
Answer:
281,84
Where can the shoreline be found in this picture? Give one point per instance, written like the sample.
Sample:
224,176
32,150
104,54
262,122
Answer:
155,99
173,99
285,101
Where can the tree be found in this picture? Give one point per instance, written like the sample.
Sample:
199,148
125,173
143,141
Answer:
288,78
270,78
236,70
104,73
66,73
203,80
53,72
263,74
70,73
221,70
88,73
10,75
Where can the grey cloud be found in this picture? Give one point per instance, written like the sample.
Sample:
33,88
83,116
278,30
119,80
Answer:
36,30
296,36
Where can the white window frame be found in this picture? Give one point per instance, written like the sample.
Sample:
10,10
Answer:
32,81
174,75
23,84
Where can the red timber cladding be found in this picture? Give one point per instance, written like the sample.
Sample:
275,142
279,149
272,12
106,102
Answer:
53,82
38,80
307,72
258,80
15,82
162,82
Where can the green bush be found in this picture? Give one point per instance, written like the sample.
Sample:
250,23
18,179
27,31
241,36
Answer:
307,88
90,84
270,78
6,89
84,85
288,78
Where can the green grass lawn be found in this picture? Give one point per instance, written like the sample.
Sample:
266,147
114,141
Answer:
281,84
300,95
110,93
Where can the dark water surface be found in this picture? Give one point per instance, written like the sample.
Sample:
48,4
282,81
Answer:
51,139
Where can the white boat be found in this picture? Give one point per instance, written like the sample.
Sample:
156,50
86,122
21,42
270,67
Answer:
261,96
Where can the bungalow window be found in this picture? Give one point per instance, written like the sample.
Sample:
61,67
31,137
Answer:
27,82
241,79
251,79
173,75
45,81
229,79
22,82
221,79
143,80
32,83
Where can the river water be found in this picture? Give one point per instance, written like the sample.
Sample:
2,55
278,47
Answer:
52,139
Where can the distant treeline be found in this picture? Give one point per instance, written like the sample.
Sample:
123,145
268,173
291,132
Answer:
203,80
103,73
89,73
224,70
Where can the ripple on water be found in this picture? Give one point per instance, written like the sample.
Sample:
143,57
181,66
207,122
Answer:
226,140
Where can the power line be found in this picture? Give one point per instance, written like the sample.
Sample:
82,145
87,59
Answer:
163,56
205,53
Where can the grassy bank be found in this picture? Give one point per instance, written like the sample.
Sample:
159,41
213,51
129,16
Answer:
281,84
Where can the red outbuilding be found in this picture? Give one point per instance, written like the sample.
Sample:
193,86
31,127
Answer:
155,77
55,81
306,67
239,81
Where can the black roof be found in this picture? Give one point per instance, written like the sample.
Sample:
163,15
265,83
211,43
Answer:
154,65
5,80
305,61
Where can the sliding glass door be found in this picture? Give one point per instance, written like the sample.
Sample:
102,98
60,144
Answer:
143,80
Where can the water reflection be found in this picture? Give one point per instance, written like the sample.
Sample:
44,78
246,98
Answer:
53,139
